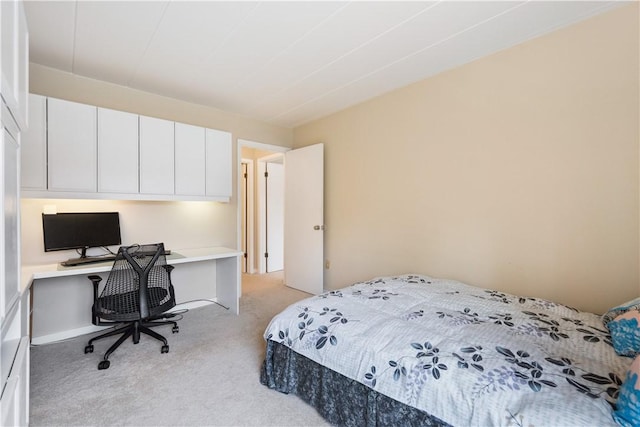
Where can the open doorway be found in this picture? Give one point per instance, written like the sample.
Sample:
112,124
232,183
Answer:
303,231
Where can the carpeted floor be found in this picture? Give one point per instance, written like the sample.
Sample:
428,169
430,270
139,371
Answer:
209,377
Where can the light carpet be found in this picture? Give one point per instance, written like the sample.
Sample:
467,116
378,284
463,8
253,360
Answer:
209,377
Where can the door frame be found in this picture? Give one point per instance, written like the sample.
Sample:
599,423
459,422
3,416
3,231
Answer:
249,212
260,146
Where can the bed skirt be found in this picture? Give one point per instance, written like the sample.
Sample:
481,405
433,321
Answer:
338,399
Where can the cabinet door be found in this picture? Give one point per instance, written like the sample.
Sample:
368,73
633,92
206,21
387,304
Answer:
8,10
117,151
14,59
190,160
156,156
10,263
218,165
22,67
72,146
14,406
33,146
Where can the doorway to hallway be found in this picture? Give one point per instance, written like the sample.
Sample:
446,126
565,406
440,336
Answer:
262,210
271,212
288,221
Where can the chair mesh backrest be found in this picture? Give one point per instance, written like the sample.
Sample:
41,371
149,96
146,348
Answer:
138,285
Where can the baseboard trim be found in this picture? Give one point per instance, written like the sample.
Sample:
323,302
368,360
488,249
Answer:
193,304
65,335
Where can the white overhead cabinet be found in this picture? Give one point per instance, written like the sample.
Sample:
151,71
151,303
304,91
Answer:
117,151
156,156
190,160
33,172
218,163
71,146
90,152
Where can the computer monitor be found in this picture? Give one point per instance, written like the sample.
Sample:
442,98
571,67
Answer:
80,231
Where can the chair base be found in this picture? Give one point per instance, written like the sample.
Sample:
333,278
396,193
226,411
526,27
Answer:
133,330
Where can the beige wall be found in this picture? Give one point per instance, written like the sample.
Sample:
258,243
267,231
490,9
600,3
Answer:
517,172
178,224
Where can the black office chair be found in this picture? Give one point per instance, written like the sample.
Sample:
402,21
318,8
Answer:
138,292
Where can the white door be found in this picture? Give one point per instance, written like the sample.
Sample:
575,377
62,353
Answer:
304,218
274,220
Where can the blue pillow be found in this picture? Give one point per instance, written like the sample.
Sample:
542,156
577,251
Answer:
625,333
627,411
614,312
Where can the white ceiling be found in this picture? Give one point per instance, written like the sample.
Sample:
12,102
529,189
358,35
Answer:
282,62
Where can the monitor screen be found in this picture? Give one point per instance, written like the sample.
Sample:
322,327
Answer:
80,230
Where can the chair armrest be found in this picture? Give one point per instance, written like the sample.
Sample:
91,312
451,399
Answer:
169,269
95,280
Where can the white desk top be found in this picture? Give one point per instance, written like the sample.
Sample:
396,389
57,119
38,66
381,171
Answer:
179,256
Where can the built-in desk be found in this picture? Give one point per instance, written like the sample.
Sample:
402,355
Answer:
61,297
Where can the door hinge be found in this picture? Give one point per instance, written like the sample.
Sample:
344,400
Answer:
245,254
245,175
266,174
266,254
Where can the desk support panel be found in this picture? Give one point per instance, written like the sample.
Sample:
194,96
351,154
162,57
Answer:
228,283
62,299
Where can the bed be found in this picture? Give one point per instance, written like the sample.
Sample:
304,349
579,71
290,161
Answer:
416,350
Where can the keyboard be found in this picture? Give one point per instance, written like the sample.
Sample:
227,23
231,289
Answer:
105,258
147,253
88,260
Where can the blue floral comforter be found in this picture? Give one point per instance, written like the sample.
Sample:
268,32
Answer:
466,355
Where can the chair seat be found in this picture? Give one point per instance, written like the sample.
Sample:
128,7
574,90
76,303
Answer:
126,306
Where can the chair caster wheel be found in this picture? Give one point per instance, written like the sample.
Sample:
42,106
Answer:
88,349
175,330
104,364
164,349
